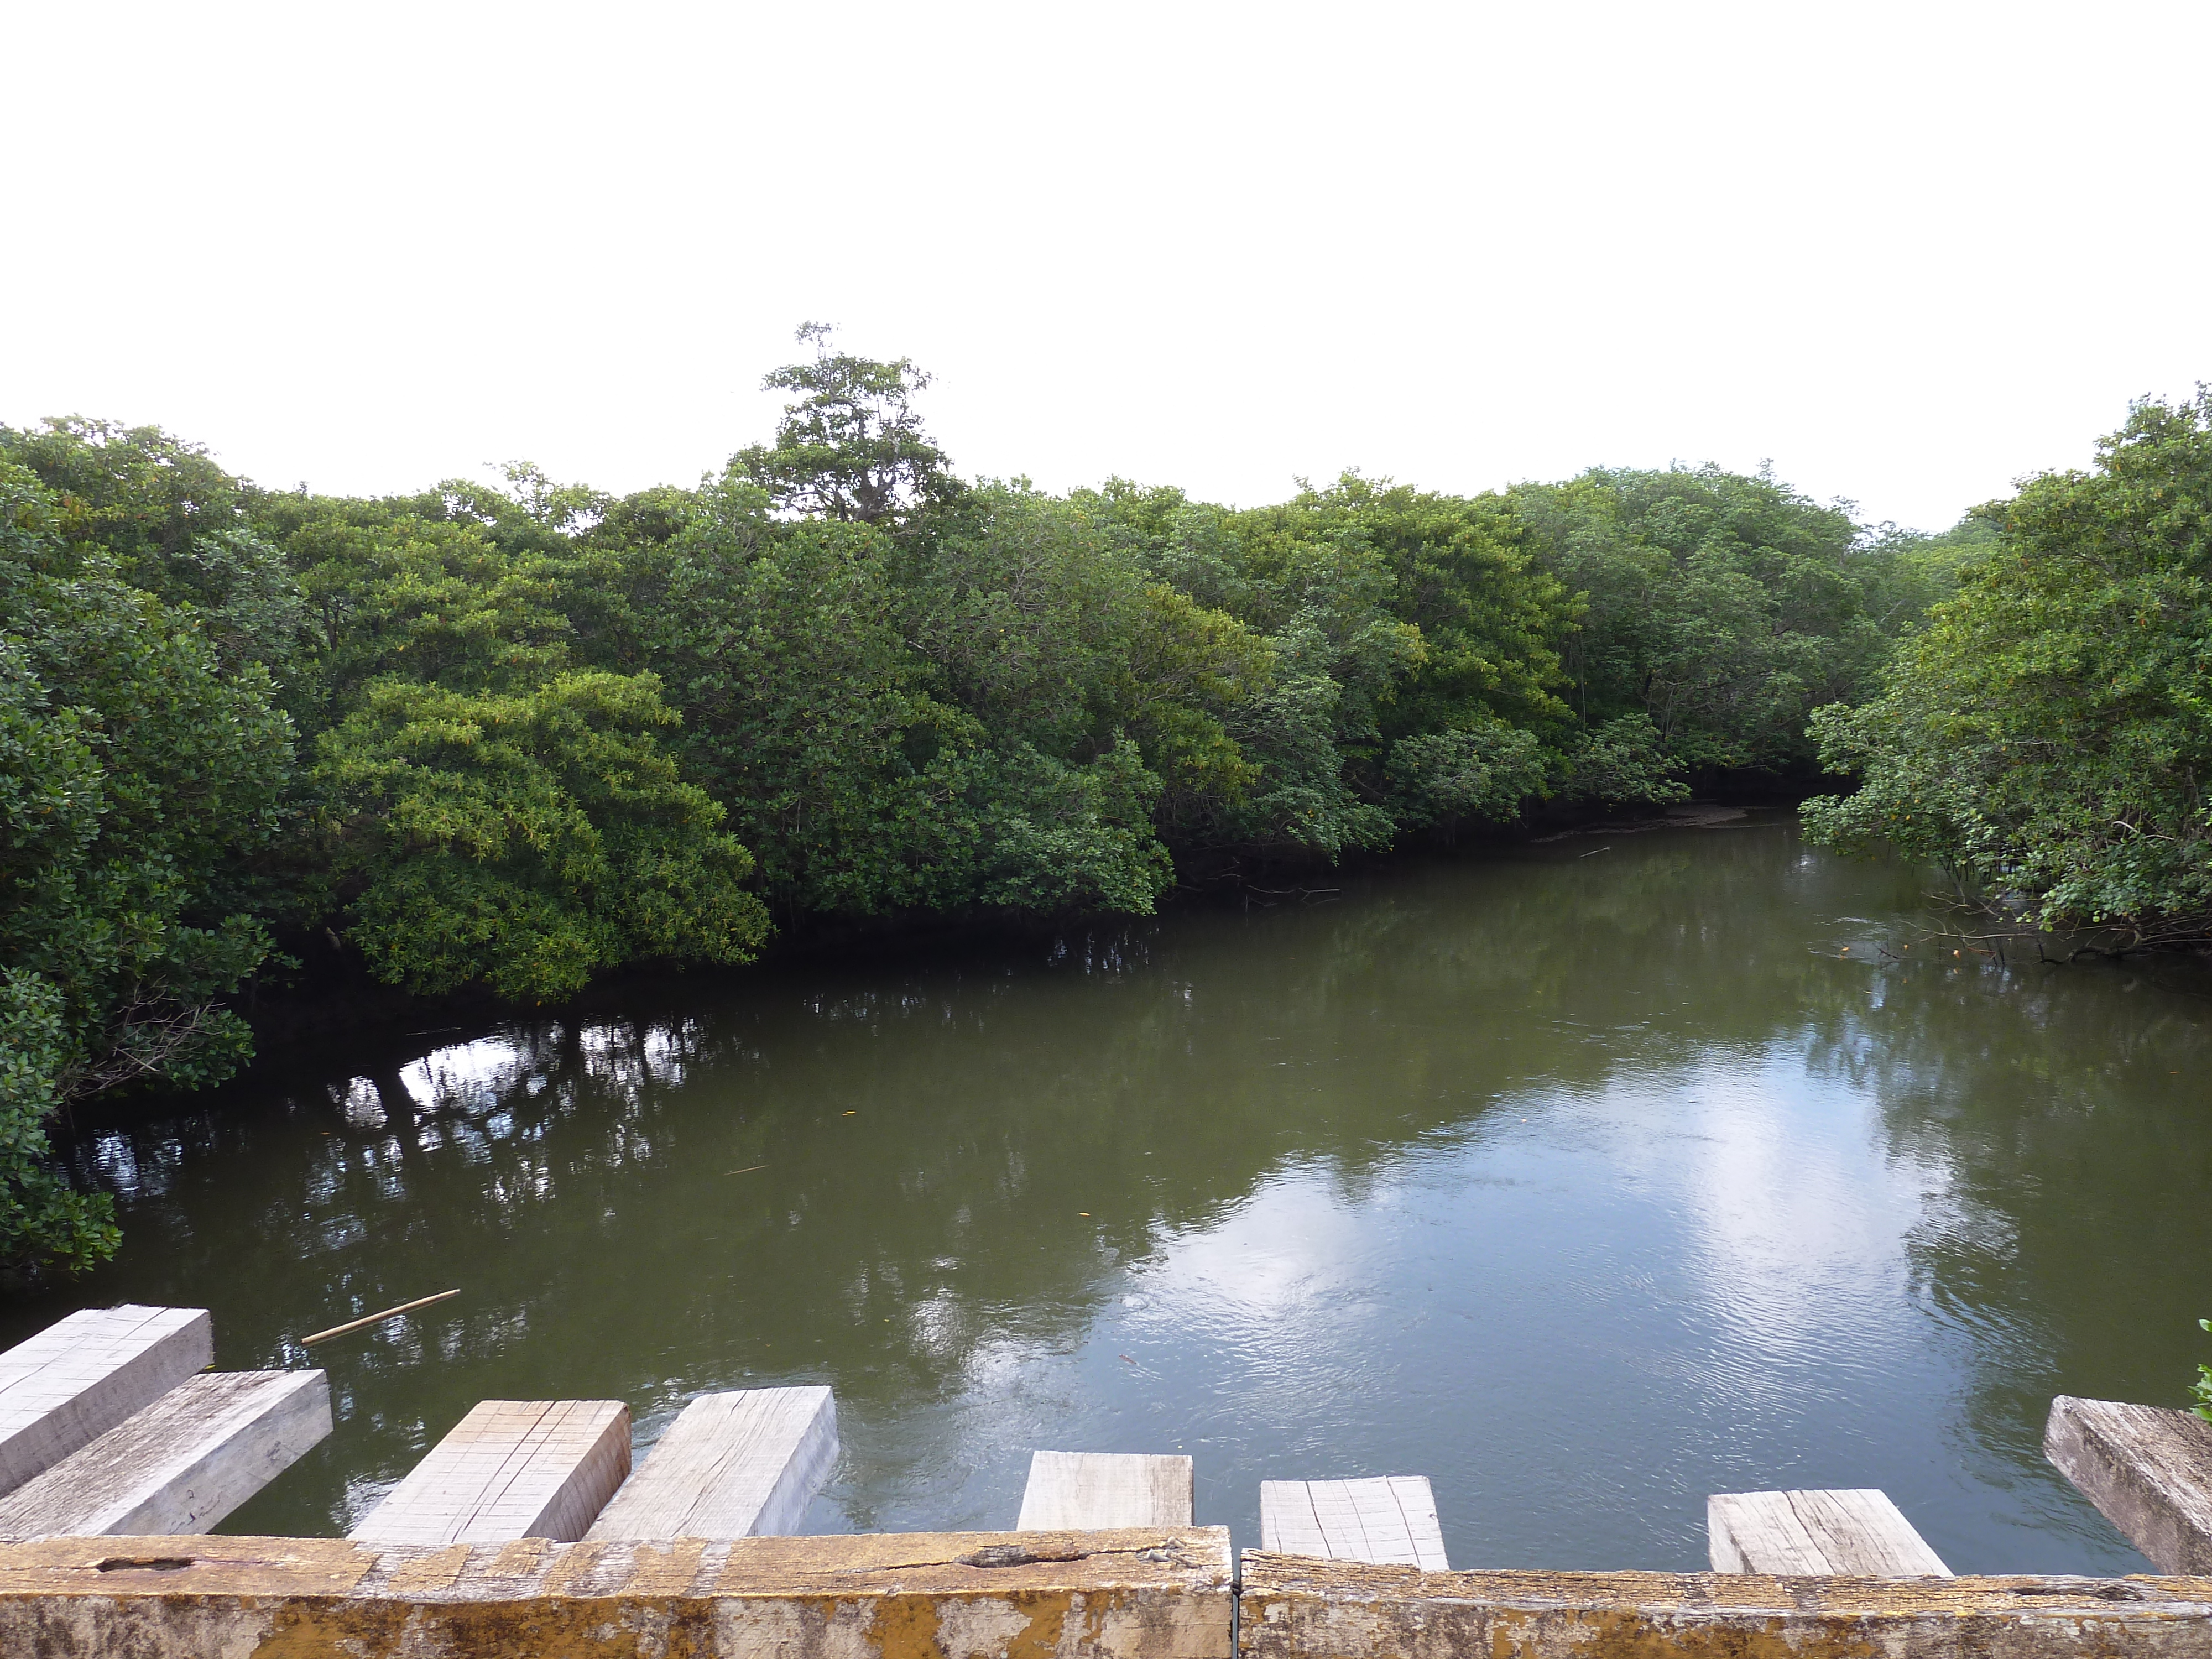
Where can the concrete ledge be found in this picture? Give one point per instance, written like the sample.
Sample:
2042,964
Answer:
1138,1593
1132,1594
1297,1608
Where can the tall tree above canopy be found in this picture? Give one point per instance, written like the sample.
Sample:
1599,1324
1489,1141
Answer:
851,447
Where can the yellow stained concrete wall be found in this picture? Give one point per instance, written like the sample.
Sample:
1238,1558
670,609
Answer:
1160,1593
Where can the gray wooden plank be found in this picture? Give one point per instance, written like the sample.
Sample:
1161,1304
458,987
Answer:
180,1465
511,1468
1083,1491
1855,1531
2147,1469
742,1464
1385,1520
64,1388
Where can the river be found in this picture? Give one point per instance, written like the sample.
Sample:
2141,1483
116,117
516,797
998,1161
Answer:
1585,1178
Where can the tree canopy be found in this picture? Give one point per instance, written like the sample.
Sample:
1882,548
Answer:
2048,736
514,734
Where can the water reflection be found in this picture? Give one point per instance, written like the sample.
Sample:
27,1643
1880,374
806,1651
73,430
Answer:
1585,1185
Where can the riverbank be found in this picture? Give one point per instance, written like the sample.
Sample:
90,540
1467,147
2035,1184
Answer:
332,998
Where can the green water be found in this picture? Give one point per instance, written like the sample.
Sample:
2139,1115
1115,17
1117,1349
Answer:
1586,1180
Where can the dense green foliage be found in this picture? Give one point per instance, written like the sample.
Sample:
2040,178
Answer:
2203,1388
513,736
1721,609
142,765
2048,736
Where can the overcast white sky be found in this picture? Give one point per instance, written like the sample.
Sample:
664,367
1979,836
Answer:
1909,252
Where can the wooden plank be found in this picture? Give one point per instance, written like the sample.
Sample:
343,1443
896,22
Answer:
1081,1490
1152,1594
511,1468
1299,1607
734,1465
2148,1470
183,1464
1855,1531
1388,1519
64,1388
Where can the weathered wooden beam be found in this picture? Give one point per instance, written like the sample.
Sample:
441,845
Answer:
733,1465
1078,1491
2147,1469
1299,1607
1857,1532
511,1468
1390,1519
183,1464
1156,1593
64,1388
